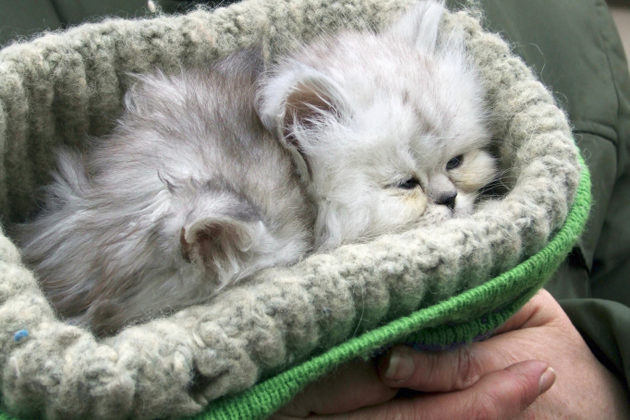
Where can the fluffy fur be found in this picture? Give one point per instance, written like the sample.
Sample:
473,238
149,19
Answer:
389,129
188,195
375,133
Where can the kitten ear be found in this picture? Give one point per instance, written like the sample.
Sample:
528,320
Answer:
220,244
311,98
220,231
419,25
296,99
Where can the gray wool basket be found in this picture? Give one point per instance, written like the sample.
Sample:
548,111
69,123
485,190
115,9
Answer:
246,353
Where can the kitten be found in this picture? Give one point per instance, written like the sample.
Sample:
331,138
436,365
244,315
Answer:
353,136
189,194
389,129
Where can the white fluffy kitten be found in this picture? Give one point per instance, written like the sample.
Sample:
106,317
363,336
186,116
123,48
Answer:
389,129
375,133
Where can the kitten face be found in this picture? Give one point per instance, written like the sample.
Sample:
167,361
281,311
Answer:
388,129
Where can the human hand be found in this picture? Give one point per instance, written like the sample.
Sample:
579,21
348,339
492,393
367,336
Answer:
484,380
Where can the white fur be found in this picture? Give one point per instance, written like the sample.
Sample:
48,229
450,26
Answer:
406,102
188,195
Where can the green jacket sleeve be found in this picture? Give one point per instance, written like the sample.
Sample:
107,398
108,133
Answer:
25,18
574,47
605,326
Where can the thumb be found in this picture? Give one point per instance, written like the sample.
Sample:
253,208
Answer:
499,395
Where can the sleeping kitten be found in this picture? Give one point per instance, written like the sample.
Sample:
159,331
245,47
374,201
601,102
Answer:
374,133
190,193
389,129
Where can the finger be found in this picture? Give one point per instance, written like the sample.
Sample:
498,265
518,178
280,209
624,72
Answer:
353,386
404,367
500,395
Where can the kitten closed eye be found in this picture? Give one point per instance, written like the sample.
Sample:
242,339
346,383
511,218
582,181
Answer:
409,184
455,162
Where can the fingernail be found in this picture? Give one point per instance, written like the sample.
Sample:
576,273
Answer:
546,380
400,366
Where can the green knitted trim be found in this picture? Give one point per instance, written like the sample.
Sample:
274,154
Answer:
514,287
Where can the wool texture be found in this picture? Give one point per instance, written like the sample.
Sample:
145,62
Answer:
61,87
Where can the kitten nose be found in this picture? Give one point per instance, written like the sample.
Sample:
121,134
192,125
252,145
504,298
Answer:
447,199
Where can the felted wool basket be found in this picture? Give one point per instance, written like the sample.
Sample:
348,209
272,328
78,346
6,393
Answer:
250,350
